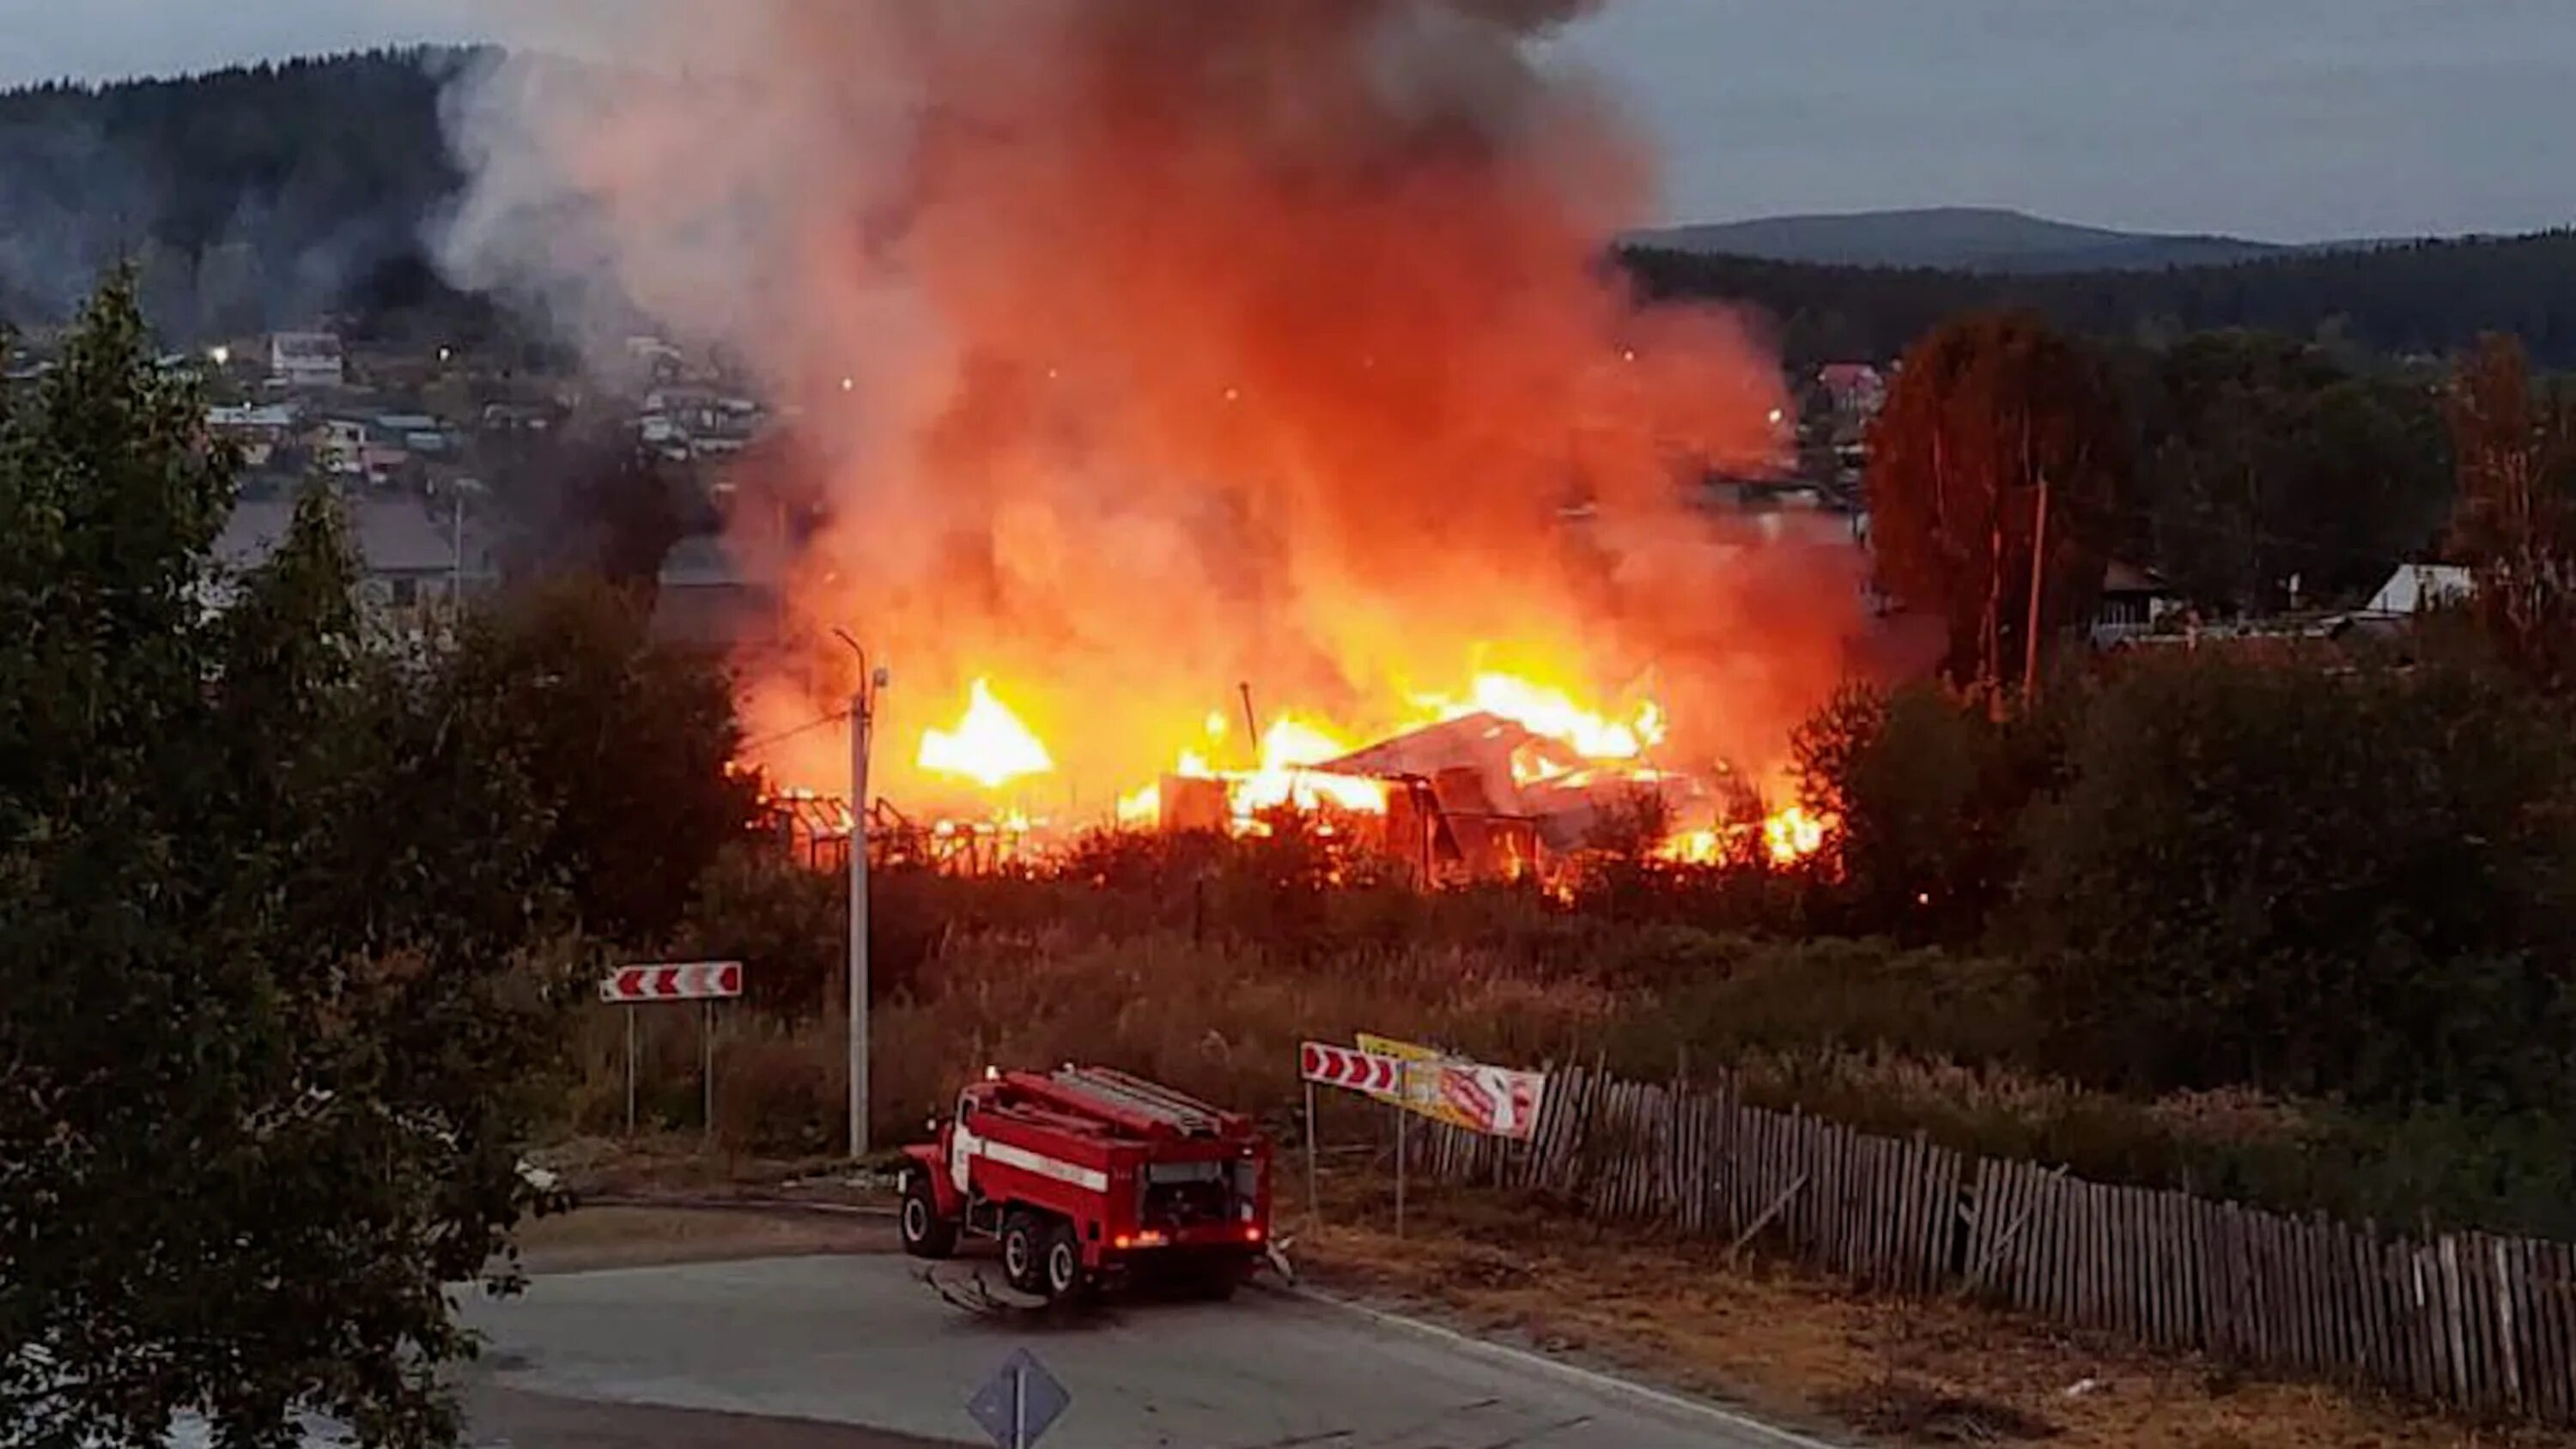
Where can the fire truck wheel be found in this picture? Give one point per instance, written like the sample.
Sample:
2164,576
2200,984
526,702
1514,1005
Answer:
926,1234
1021,1246
1216,1279
1063,1263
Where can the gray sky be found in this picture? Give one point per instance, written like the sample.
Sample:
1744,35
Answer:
2284,119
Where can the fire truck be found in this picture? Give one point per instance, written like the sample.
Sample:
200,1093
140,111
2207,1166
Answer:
1088,1177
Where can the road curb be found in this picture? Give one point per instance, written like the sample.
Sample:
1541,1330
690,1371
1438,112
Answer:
1594,1378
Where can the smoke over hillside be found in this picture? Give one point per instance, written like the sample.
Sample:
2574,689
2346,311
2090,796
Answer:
1145,347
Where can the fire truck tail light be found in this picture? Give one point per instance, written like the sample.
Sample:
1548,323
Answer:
1252,1234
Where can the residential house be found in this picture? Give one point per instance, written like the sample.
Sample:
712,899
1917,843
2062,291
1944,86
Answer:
338,444
2133,601
414,432
257,430
2134,598
685,423
2417,588
411,558
518,417
718,594
307,359
1855,391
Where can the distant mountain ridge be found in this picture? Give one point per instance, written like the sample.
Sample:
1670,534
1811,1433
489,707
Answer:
1958,238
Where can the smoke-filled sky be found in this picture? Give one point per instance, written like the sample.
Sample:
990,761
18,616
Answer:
2286,119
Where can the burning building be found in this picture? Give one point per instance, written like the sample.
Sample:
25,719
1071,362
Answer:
1138,348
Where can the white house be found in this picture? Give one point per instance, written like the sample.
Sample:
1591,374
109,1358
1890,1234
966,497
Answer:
2415,588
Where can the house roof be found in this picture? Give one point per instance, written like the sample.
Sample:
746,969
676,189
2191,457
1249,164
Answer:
2128,578
391,536
2417,587
273,415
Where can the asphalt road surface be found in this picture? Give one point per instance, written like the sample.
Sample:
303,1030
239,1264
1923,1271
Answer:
803,1351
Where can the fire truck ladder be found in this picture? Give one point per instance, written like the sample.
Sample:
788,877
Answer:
1146,1099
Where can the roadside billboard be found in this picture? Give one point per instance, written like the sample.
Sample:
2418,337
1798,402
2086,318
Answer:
1496,1101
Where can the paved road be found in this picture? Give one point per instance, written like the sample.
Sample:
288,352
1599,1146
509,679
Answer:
856,1340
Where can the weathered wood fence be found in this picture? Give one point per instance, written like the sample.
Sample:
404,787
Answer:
2477,1322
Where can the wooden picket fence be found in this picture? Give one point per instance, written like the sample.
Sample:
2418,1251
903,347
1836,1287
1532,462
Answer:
2468,1320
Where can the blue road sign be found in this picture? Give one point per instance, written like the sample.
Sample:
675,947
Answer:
1020,1403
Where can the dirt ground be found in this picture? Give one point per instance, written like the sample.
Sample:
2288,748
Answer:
1800,1349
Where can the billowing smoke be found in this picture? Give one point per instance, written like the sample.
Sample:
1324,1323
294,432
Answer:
1145,346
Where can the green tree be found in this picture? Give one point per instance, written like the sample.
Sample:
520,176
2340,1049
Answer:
630,744
1924,791
788,925
2264,460
2356,882
1997,431
276,1011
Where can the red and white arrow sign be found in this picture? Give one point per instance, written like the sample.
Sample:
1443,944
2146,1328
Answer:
672,981
1341,1066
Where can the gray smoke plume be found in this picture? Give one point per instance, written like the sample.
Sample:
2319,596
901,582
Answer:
1145,346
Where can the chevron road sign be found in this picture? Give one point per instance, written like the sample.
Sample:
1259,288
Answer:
672,981
1339,1066
645,983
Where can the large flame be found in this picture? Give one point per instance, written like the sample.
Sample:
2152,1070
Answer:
1551,713
1140,348
989,745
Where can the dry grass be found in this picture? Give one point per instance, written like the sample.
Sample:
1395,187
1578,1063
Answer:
1222,1021
1806,1350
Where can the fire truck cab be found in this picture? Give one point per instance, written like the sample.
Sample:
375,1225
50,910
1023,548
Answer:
1088,1176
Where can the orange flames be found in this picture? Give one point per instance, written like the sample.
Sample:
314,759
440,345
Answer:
988,746
1139,347
992,748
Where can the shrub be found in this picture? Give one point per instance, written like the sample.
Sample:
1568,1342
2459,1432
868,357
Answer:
1737,996
788,925
2320,883
1923,788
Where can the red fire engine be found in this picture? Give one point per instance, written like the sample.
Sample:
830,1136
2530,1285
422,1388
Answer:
1088,1175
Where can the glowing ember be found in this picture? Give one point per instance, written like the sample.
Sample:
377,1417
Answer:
989,745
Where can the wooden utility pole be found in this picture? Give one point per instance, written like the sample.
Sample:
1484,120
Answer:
2038,588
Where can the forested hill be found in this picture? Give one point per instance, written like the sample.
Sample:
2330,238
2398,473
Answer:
2429,297
259,198
254,198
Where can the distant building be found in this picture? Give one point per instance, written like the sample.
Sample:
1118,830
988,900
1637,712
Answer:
2415,588
410,557
1854,390
338,446
708,598
258,431
307,359
2133,601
